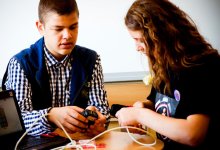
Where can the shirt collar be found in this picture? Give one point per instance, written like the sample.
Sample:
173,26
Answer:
51,61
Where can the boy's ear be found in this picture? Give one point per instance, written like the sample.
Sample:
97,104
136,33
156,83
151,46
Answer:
40,27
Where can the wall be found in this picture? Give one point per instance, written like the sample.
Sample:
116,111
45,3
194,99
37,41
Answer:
101,28
126,93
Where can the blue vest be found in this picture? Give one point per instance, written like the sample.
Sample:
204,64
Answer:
33,63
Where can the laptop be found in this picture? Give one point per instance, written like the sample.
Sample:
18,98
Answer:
12,128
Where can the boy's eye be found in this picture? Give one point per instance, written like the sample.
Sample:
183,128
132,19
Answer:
73,27
58,29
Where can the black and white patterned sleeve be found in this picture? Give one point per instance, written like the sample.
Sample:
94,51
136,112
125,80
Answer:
97,94
18,81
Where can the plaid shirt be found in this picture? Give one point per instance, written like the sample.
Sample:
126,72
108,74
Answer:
60,88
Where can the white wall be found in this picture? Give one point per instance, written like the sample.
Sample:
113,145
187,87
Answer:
101,28
206,15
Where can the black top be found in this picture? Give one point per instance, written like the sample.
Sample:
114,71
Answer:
194,91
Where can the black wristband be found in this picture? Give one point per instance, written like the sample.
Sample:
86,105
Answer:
52,124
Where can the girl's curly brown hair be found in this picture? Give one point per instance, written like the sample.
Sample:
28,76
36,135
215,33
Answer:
171,37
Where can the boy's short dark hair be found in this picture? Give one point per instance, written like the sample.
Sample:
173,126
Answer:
61,7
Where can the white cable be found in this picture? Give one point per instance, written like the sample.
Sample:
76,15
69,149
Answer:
77,147
27,131
116,128
126,127
143,144
73,144
72,141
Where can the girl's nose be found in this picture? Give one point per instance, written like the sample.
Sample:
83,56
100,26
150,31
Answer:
140,48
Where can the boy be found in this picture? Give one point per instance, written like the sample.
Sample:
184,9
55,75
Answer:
56,76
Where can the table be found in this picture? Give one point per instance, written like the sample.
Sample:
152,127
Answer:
116,140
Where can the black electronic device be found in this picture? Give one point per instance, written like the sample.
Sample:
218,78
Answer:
115,108
90,115
12,128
